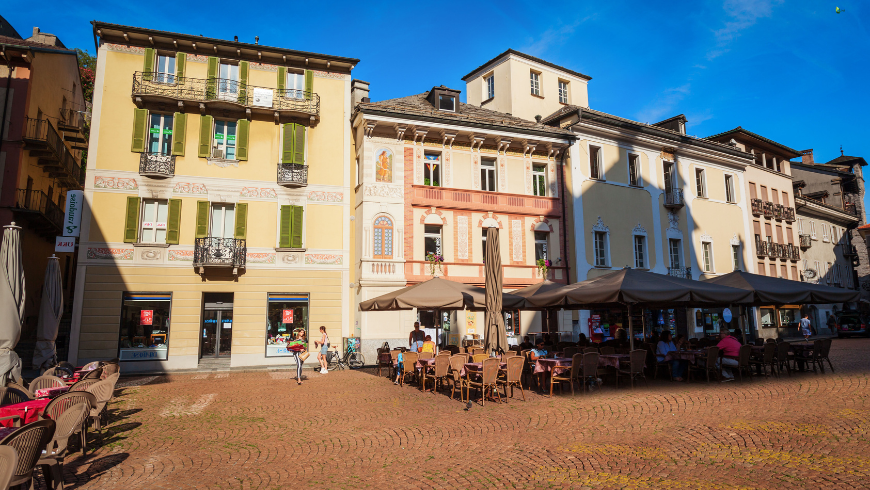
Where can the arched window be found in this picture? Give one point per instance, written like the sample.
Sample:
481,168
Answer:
383,238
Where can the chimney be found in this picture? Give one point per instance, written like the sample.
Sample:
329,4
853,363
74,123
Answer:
807,157
359,92
35,31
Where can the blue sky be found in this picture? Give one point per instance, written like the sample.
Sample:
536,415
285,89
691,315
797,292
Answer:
794,71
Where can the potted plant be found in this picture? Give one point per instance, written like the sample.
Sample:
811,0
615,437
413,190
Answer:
543,266
434,261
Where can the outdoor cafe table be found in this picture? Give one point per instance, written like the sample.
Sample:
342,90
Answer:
477,366
686,355
50,392
5,431
28,411
612,360
544,365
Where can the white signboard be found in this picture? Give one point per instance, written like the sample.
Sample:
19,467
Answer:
726,315
72,220
263,97
65,244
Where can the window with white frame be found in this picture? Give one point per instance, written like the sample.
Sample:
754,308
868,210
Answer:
600,248
539,180
541,245
432,169
818,266
160,134
834,238
447,103
223,220
431,240
825,236
154,215
700,182
634,170
490,86
735,256
675,250
813,230
295,84
640,252
228,82
729,188
165,69
707,248
535,81
800,226
595,163
224,140
563,91
487,174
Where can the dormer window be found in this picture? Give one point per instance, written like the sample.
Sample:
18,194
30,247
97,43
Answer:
447,103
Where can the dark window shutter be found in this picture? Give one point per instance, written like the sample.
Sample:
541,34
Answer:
243,130
180,62
211,83
205,128
296,233
286,226
140,130
173,222
287,143
179,132
244,66
148,66
241,220
309,84
299,144
282,78
131,223
201,219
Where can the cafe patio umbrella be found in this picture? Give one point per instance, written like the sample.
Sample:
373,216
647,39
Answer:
495,338
536,289
50,310
776,291
437,294
11,302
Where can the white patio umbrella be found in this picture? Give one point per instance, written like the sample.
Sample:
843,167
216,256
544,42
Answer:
11,302
50,310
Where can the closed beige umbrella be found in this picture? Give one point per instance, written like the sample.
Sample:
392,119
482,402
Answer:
11,302
50,310
495,338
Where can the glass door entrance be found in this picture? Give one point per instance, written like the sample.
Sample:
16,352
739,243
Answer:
216,339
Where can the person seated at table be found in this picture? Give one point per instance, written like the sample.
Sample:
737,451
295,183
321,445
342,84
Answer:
680,340
538,352
526,344
582,341
620,336
428,345
738,334
654,338
665,345
730,348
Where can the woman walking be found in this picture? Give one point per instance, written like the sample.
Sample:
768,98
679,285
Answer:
324,346
297,347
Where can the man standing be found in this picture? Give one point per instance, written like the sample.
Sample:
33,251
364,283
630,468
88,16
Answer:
415,340
806,327
730,348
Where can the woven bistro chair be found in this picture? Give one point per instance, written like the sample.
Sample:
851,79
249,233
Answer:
91,366
409,359
394,358
635,367
512,376
707,364
826,352
95,374
660,364
479,357
11,396
29,441
109,369
83,385
478,350
385,360
815,358
587,350
456,363
758,342
440,372
743,364
509,353
570,375
22,389
426,355
569,352
45,382
102,391
767,359
487,381
607,350
590,369
8,463
783,358
60,404
51,460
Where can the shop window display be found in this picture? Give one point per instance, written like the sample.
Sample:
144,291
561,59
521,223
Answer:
144,329
287,320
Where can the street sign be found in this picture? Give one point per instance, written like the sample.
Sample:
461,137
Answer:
72,220
64,244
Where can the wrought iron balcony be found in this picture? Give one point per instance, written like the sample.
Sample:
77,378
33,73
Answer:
792,252
773,250
224,93
674,199
219,252
806,241
767,209
681,272
292,174
156,165
757,207
789,214
761,248
43,142
40,213
778,211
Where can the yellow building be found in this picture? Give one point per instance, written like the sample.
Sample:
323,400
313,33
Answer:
217,202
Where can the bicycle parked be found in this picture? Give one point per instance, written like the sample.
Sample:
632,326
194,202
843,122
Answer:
352,358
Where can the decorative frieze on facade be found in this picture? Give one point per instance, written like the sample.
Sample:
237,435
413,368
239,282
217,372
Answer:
600,226
196,58
527,176
475,170
121,48
383,190
324,196
502,174
262,192
517,236
323,259
638,230
117,183
446,171
110,253
188,188
264,67
291,258
181,255
735,240
462,239
418,166
553,179
260,258
151,254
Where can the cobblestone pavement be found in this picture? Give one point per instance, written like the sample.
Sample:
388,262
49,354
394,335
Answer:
355,430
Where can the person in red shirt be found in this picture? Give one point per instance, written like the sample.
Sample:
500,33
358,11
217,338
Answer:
730,348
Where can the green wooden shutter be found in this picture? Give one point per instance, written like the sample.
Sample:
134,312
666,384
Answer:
173,223
140,130
180,62
211,83
282,78
201,219
287,143
244,66
309,84
299,144
179,132
131,224
286,226
241,221
148,67
296,233
243,130
205,130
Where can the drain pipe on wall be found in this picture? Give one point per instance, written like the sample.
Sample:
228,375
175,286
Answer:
565,228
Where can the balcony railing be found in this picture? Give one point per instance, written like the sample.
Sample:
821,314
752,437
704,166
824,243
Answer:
767,209
761,248
773,250
156,165
163,86
793,252
806,241
681,272
292,174
778,211
757,207
219,252
789,214
54,157
47,217
473,200
71,120
674,198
